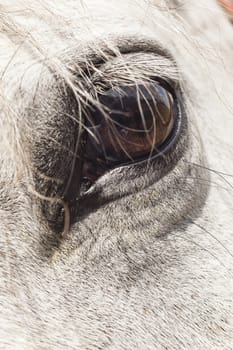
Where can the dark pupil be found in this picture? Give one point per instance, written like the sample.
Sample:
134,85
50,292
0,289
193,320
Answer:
132,122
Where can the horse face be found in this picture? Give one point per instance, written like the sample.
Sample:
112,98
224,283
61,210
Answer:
116,212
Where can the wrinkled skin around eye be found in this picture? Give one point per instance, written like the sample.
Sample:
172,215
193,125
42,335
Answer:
142,259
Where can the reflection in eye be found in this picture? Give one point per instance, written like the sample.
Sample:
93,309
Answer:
131,124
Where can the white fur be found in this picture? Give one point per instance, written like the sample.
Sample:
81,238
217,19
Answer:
151,269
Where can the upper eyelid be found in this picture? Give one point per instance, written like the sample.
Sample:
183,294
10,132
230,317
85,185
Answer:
102,50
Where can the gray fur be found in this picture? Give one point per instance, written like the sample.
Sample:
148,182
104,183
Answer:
147,264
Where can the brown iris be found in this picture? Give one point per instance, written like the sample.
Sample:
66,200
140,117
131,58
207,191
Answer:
132,122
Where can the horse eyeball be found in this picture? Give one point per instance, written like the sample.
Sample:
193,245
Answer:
132,122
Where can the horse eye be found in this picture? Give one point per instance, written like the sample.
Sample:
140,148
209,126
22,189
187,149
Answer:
131,124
